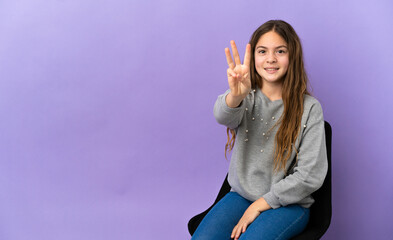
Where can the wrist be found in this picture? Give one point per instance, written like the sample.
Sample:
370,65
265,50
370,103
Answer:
261,205
233,101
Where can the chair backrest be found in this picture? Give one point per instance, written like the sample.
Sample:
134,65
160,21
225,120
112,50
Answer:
320,212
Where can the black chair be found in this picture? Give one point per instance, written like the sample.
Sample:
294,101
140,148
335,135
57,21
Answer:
320,211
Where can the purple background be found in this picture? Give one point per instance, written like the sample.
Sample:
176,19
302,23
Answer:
107,129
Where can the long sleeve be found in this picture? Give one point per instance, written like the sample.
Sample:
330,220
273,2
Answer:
230,117
311,169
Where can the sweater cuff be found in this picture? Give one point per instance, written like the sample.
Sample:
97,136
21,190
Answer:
272,200
228,109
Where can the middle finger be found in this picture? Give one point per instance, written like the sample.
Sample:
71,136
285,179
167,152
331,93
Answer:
235,53
238,232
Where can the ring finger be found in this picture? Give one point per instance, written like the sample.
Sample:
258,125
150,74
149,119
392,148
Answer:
231,65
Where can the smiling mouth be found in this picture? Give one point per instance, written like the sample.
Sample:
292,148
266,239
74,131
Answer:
271,70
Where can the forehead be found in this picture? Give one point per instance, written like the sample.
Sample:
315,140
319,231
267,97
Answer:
271,40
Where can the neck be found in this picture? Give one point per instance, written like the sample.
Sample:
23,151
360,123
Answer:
272,90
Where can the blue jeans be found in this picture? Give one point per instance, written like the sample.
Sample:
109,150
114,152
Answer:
281,223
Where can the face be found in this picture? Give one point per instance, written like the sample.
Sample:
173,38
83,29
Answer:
271,57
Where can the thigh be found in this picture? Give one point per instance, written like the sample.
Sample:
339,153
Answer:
222,218
279,224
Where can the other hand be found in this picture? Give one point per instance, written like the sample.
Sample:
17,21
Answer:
249,216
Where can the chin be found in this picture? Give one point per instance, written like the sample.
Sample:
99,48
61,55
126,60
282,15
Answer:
272,80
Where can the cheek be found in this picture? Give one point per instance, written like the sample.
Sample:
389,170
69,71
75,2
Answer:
258,62
285,63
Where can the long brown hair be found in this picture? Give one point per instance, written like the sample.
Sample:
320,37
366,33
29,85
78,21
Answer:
293,90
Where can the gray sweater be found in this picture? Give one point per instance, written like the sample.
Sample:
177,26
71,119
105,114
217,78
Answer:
251,170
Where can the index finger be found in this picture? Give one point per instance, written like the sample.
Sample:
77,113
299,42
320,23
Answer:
247,56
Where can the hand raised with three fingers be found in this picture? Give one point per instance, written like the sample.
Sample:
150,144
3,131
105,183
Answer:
238,73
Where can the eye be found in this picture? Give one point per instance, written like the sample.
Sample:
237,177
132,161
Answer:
281,51
261,51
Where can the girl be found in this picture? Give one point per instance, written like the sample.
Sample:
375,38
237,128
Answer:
279,156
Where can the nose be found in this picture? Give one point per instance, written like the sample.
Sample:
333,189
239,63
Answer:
271,58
